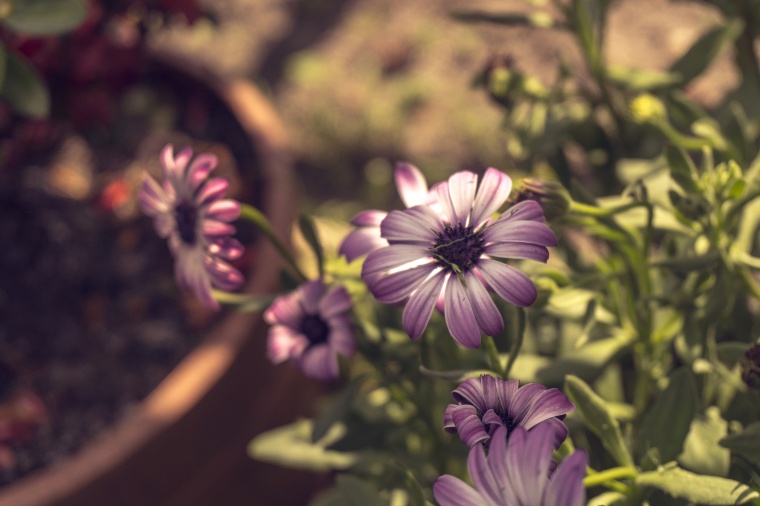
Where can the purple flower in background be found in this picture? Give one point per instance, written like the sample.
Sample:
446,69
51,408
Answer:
517,472
450,254
413,190
188,210
487,403
311,326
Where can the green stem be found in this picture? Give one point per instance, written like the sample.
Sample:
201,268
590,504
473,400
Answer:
518,342
256,217
602,477
245,302
585,209
493,356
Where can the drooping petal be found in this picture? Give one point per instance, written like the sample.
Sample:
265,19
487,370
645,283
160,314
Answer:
226,247
361,242
482,476
319,362
411,184
393,257
468,424
460,318
223,210
497,460
369,218
420,306
536,460
283,343
212,190
546,404
151,198
462,187
514,286
402,226
335,301
311,293
531,232
199,169
486,314
493,192
517,250
399,285
451,491
566,485
559,429
470,391
523,400
223,274
491,418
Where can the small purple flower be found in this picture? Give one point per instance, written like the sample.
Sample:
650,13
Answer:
449,254
518,471
311,327
413,190
188,210
487,403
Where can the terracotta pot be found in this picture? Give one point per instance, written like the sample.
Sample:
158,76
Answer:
185,444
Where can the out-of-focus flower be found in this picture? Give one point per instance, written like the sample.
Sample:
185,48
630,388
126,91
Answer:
551,196
450,252
487,403
311,326
413,190
188,210
518,471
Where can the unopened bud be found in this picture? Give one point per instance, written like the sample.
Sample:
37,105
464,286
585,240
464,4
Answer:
551,195
648,109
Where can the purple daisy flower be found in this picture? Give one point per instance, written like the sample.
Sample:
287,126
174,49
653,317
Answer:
487,403
519,471
450,255
413,190
188,210
311,326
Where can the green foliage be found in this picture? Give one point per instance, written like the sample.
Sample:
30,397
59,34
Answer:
696,488
45,17
23,88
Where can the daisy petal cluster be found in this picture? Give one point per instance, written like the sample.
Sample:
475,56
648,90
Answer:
518,471
486,404
413,190
450,254
311,327
189,211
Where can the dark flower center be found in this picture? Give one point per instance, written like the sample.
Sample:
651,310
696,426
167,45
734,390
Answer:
315,329
508,422
186,216
457,248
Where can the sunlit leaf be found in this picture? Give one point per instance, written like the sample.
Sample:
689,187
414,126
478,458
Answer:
697,488
701,451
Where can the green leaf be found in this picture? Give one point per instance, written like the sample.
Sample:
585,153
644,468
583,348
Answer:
537,19
701,54
291,446
697,488
701,451
309,232
682,169
745,443
583,24
731,352
46,17
350,490
640,79
338,409
598,418
23,88
668,421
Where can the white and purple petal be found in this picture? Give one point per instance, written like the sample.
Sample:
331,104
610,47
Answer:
411,184
511,284
493,192
420,306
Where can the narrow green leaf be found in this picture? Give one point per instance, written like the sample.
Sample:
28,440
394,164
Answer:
682,169
538,19
598,418
309,232
23,88
700,55
697,488
291,446
46,17
640,79
673,409
745,443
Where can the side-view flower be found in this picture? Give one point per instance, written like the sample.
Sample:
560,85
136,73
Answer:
311,326
518,471
450,254
486,404
413,190
189,211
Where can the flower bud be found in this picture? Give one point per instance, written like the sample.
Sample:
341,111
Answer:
551,196
648,109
